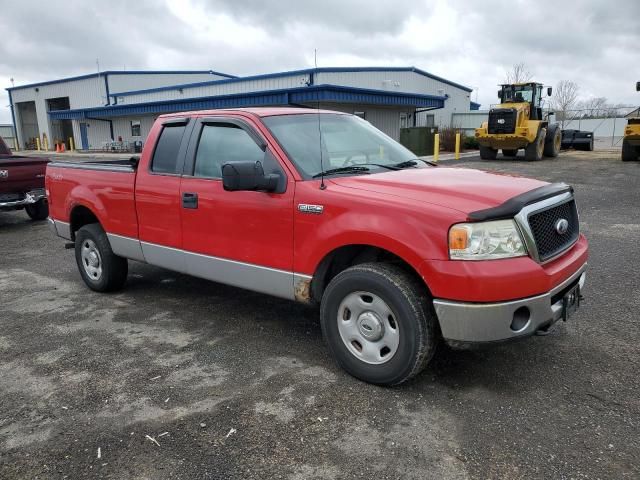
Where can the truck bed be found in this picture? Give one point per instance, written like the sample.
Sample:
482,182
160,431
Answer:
107,186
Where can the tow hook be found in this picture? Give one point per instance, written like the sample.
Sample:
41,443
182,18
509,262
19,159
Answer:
69,245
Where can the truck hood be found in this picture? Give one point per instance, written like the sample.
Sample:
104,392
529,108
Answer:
465,190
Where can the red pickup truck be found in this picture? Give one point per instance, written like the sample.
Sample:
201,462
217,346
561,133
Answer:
321,207
22,183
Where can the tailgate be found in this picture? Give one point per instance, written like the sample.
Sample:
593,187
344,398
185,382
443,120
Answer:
21,174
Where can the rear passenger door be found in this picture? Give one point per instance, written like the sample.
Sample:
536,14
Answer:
158,202
239,238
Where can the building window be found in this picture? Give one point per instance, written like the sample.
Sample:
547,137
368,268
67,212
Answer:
135,128
404,120
362,115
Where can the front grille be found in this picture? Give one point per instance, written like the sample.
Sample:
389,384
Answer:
543,226
502,120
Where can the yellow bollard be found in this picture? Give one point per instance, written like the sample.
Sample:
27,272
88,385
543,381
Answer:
46,144
436,147
457,146
71,144
38,143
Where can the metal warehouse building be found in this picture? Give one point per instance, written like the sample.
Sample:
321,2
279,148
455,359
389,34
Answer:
116,108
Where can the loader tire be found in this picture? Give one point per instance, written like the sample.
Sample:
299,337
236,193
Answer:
533,152
552,141
488,153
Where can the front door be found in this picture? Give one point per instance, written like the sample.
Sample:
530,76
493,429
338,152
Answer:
240,238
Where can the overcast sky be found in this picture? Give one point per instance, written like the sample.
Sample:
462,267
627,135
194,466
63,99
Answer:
594,43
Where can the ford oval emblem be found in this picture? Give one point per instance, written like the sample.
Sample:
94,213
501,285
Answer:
562,226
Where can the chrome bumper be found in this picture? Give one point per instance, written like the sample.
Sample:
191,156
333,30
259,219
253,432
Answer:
490,322
30,198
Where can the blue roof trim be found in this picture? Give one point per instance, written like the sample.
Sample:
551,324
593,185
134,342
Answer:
474,106
307,71
121,72
326,93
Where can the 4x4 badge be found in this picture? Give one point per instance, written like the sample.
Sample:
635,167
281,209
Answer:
306,208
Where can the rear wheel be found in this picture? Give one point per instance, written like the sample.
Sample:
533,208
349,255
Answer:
507,152
488,153
629,152
533,151
100,268
38,210
552,143
379,323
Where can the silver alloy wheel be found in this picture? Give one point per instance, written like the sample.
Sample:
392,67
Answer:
368,327
91,260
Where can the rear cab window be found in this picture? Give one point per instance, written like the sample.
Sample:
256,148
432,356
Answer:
165,156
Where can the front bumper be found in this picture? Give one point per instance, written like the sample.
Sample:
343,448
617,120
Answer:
519,139
29,198
490,322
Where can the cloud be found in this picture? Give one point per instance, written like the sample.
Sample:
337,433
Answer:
591,42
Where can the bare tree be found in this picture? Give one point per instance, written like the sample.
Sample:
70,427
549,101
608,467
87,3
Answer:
596,107
564,98
519,73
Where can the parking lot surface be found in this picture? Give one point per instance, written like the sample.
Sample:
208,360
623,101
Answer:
176,377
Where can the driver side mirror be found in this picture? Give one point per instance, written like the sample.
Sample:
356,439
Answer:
637,86
499,93
549,90
248,176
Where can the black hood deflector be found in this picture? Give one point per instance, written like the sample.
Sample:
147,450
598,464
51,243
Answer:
511,207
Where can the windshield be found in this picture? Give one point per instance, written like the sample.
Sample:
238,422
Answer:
517,93
347,141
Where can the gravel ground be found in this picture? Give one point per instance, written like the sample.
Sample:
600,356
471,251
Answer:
176,377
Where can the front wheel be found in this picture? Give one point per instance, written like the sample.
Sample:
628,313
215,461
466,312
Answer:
38,210
629,152
100,268
379,323
488,153
533,151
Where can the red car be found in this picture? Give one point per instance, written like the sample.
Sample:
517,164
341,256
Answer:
22,183
319,206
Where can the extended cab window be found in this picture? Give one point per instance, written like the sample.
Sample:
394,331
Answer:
220,144
165,156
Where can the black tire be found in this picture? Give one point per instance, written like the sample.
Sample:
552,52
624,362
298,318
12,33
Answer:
412,314
488,153
507,152
629,152
584,147
552,141
113,269
38,210
534,151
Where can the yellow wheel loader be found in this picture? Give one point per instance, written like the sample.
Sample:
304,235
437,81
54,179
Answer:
517,122
631,140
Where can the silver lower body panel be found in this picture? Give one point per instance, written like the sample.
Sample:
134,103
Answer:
491,322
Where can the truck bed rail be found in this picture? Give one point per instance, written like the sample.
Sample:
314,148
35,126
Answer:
126,166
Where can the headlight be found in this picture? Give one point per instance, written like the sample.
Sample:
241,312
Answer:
485,241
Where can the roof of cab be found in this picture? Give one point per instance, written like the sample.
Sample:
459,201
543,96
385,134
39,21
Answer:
257,111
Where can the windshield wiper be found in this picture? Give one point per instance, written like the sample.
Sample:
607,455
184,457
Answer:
349,169
413,163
